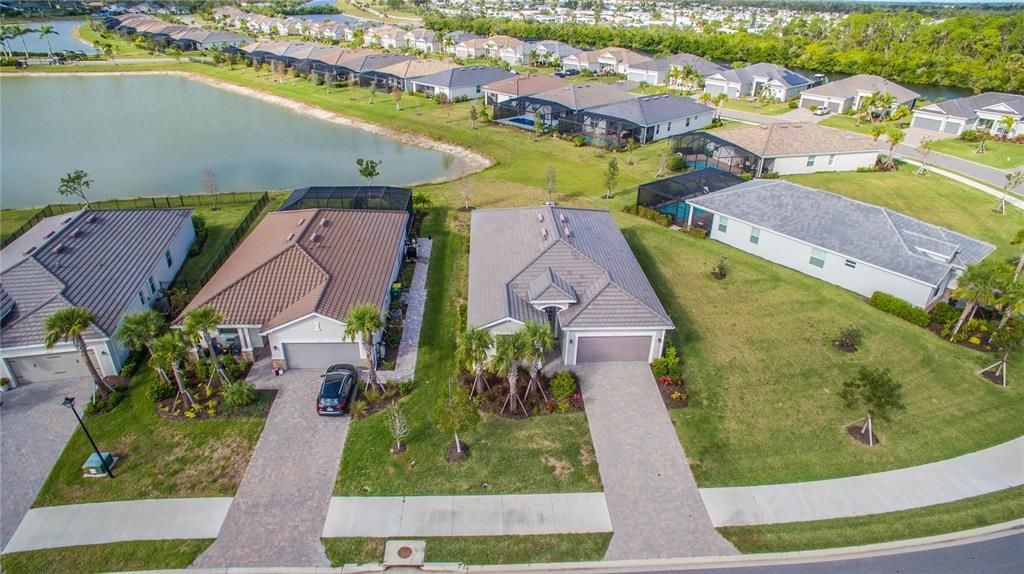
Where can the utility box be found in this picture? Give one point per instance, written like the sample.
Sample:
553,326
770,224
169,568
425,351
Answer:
93,466
396,291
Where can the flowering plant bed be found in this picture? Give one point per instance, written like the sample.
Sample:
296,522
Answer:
673,392
372,400
493,399
208,393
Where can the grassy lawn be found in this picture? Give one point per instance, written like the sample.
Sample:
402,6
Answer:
507,456
1000,155
966,514
161,458
12,219
116,557
850,123
122,47
479,549
756,107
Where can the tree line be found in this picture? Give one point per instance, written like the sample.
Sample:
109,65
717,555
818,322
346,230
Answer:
982,51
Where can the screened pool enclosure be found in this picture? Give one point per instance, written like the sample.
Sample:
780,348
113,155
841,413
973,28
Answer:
350,197
669,195
704,149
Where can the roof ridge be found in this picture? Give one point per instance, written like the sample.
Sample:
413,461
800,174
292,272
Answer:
632,296
313,260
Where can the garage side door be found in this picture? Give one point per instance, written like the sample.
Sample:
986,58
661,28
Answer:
320,355
48,367
953,128
605,349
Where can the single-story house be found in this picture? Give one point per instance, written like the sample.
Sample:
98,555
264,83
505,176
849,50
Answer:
111,262
451,40
607,60
470,47
422,40
199,39
467,82
848,93
384,36
290,284
649,118
571,269
495,44
549,52
565,100
658,72
981,111
855,245
522,85
403,73
783,84
783,148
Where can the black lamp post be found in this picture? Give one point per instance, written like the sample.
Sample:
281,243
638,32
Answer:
69,402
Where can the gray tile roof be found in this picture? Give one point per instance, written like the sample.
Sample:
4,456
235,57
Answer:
853,229
511,258
796,139
705,67
652,110
848,88
101,265
965,107
466,76
746,75
583,96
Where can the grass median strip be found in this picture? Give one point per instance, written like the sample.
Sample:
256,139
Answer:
116,557
1000,155
479,549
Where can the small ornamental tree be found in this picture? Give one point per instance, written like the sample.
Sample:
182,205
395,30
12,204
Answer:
1018,239
397,424
550,185
455,414
924,147
472,116
75,184
210,187
368,168
396,95
611,177
876,392
1005,342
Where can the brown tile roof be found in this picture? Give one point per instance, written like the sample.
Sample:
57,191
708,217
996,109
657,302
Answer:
281,273
796,138
525,85
416,68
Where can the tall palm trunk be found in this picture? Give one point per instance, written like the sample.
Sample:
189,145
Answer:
1019,268
513,378
216,361
186,398
25,46
479,381
370,363
101,385
964,317
49,50
1004,320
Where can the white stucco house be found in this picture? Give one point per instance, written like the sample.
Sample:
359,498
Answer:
111,262
571,269
983,111
288,287
656,72
457,83
855,245
848,93
649,118
782,83
794,148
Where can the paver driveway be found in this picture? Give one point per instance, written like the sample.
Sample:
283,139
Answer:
656,509
34,428
279,510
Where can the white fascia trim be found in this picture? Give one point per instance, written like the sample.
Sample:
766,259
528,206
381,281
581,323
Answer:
549,303
500,321
824,153
585,329
302,318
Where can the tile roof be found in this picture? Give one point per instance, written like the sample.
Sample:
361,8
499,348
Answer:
965,107
99,261
652,110
861,231
583,96
511,259
291,266
796,138
465,76
705,67
416,68
848,88
524,85
772,71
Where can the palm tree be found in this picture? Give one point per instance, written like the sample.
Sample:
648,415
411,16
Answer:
6,35
540,340
197,326
895,136
361,324
719,100
168,351
44,32
978,286
69,324
508,354
20,32
881,103
1008,122
138,330
706,98
471,353
1009,299
690,76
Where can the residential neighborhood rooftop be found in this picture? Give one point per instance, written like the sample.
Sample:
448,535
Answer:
796,138
524,85
652,110
784,76
584,96
863,82
965,107
705,67
416,68
466,76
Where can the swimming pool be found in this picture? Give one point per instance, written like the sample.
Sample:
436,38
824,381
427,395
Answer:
527,122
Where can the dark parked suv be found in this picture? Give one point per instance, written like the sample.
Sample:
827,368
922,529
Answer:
337,391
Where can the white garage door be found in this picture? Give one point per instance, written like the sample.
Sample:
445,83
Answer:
48,367
320,355
605,349
926,123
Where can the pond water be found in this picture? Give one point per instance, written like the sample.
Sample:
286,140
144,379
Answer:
930,91
154,135
63,40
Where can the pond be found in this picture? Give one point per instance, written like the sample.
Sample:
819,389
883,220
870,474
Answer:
64,39
931,92
154,135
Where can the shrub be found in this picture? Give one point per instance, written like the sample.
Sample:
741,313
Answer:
850,337
239,394
131,364
770,175
649,214
943,313
579,141
677,163
793,104
98,406
405,387
387,366
562,385
668,364
234,368
161,390
900,308
969,135
746,176
721,269
372,394
358,409
698,232
202,233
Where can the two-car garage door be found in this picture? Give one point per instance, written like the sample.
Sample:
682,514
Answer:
48,367
606,349
320,355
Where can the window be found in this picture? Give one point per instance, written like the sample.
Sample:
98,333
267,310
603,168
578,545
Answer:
142,298
670,126
167,258
832,159
152,285
687,122
810,160
817,257
478,89
851,263
723,224
755,235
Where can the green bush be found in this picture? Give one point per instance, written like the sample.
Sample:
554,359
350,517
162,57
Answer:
579,141
850,337
239,394
161,390
562,385
649,214
943,313
746,176
405,387
98,406
770,175
677,163
234,368
969,135
202,233
698,232
668,364
358,409
793,104
900,308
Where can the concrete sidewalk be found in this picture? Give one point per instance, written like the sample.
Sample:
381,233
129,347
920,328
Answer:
996,468
416,297
486,515
104,522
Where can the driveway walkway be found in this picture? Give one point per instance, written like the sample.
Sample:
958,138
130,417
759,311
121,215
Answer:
34,428
656,509
416,298
279,509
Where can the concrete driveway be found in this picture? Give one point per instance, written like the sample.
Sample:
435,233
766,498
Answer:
656,509
278,513
34,428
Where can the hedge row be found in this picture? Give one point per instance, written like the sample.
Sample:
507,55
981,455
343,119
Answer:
900,308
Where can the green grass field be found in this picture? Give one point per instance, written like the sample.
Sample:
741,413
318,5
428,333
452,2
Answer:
850,123
1001,155
122,47
479,549
11,220
1001,506
756,107
160,458
116,557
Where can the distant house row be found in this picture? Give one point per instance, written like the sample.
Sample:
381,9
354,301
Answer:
162,33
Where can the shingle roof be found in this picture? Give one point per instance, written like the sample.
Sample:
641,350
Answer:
772,71
104,258
369,62
524,85
796,138
584,96
291,266
861,231
509,251
416,68
466,76
705,67
965,107
652,110
848,88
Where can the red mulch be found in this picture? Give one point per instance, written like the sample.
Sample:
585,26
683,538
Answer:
854,430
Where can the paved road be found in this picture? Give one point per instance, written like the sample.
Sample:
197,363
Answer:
990,175
656,509
278,512
34,428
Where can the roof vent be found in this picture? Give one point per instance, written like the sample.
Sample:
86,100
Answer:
561,217
566,231
301,221
74,233
315,237
66,220
58,248
540,217
29,251
323,222
91,219
290,237
49,235
544,233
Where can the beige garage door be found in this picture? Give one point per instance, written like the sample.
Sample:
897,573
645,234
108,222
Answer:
48,367
320,355
606,349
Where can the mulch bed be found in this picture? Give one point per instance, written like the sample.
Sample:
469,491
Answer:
990,376
844,348
454,455
212,399
937,328
381,403
676,386
854,430
493,399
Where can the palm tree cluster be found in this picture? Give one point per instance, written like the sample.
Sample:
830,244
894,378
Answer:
524,348
895,137
877,107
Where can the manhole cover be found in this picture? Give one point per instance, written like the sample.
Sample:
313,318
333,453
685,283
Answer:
404,552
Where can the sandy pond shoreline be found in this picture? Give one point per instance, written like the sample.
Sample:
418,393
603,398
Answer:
470,161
